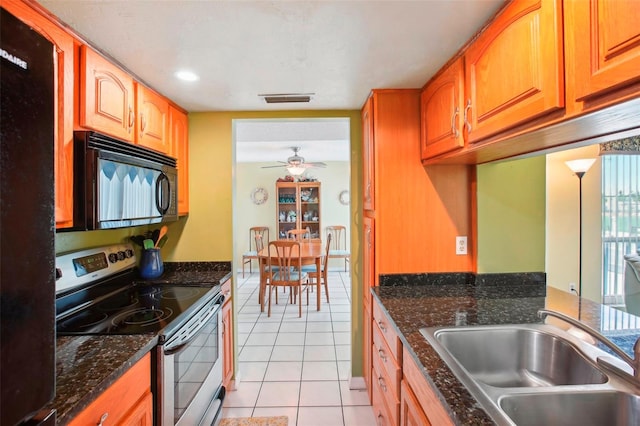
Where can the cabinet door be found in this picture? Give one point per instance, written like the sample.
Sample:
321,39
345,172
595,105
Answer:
368,159
107,97
309,215
141,414
227,336
287,207
180,150
367,344
410,412
65,53
514,69
368,259
442,104
607,46
120,400
153,120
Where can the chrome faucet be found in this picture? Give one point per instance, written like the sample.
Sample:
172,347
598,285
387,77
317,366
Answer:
634,363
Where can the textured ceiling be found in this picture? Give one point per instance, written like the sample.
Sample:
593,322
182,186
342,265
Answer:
339,50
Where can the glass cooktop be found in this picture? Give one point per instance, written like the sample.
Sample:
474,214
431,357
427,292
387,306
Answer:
136,309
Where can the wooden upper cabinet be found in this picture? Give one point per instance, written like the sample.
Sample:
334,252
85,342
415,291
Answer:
179,125
607,44
368,155
514,69
107,97
442,105
64,56
153,120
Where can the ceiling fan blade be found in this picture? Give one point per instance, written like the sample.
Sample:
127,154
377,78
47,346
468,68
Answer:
271,167
317,164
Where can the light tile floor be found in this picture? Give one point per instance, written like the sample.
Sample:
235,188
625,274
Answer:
298,367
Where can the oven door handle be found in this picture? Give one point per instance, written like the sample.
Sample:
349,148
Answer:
170,350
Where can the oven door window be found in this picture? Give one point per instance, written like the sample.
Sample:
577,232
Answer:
193,365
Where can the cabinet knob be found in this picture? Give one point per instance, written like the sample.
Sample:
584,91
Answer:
383,386
382,355
103,418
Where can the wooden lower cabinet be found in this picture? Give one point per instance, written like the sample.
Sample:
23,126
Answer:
140,415
418,401
386,372
366,348
128,401
227,335
411,413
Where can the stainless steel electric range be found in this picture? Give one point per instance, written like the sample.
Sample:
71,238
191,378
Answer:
98,292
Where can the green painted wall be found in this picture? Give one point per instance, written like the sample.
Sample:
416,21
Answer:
206,234
511,216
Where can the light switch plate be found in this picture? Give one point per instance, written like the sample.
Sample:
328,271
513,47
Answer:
461,245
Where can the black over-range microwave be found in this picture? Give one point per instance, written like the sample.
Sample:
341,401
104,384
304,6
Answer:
118,184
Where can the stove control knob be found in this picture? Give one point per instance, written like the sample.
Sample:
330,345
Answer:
121,255
113,258
128,253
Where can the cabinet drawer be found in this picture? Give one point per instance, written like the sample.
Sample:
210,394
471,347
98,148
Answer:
387,331
121,398
386,360
383,387
380,409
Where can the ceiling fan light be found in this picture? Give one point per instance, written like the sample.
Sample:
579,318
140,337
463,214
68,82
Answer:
295,170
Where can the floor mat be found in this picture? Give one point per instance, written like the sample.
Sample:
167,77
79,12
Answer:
256,421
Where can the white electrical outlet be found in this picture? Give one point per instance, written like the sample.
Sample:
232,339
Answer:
461,245
572,287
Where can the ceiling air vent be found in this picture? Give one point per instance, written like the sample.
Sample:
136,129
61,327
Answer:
281,98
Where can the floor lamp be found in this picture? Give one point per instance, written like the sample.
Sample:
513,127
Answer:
580,167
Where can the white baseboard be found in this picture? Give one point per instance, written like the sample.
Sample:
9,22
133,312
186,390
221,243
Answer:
356,383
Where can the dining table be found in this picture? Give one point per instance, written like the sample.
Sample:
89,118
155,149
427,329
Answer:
311,252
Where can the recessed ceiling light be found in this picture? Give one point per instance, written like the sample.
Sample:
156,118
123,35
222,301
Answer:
187,76
280,98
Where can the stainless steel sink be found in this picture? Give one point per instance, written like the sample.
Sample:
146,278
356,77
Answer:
535,374
573,408
518,357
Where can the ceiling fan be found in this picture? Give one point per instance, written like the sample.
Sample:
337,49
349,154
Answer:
296,164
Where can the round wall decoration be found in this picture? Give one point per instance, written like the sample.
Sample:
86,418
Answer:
343,197
259,195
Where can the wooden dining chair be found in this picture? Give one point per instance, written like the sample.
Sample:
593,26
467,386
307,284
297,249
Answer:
284,270
339,248
299,234
313,273
252,253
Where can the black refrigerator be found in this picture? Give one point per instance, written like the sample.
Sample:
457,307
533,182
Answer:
27,224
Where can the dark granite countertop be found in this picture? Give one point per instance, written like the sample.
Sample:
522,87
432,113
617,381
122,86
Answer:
87,365
214,273
415,303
